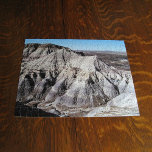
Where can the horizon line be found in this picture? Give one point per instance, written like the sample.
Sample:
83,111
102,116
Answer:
83,44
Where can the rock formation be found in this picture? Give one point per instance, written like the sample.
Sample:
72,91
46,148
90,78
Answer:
58,80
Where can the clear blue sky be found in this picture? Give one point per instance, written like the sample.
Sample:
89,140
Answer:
79,44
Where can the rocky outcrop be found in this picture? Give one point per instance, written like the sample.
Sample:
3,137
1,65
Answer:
58,79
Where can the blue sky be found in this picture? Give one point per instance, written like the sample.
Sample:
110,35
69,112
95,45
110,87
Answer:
90,45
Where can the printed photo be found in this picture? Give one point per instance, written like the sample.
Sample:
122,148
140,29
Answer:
75,78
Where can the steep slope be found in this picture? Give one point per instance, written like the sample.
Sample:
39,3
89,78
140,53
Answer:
56,79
